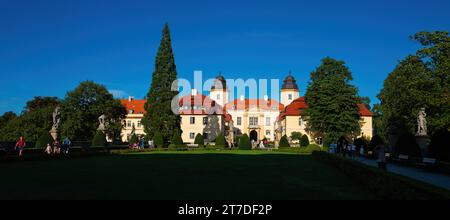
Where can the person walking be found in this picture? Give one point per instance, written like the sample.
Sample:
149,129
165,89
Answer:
66,145
56,147
48,149
20,145
141,144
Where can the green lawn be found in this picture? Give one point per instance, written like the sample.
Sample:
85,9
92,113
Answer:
175,175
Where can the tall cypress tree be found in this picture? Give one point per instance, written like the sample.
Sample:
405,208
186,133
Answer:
159,116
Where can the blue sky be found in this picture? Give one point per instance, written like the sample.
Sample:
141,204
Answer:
48,47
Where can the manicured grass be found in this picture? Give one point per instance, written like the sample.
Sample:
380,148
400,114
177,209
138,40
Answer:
179,175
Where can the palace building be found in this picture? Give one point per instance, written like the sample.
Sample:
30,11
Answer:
258,118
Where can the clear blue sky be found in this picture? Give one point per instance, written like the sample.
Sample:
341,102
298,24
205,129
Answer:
48,47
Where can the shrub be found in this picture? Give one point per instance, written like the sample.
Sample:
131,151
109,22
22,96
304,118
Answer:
220,141
284,142
304,141
199,139
440,145
99,140
134,139
296,136
43,140
244,142
176,138
407,145
312,147
376,140
158,139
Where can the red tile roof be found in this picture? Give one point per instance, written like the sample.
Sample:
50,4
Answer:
245,104
299,104
198,105
137,106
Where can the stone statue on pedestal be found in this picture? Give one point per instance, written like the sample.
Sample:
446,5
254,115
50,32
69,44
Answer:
422,122
102,123
54,132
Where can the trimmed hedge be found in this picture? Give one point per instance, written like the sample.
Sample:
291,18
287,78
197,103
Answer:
99,140
199,140
176,138
385,185
244,142
304,141
158,139
284,142
45,139
220,140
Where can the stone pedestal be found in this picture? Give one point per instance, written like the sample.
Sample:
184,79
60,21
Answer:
423,141
55,134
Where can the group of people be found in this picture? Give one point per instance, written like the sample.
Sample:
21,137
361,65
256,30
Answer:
345,149
140,145
58,148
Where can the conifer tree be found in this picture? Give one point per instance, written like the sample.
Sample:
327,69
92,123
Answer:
159,115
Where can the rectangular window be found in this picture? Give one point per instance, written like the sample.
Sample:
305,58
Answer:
267,121
205,120
253,121
267,132
128,123
218,97
300,121
192,120
192,135
239,121
289,96
139,123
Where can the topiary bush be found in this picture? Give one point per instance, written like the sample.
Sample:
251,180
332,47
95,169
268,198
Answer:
158,140
134,139
176,138
284,142
244,143
199,140
99,140
440,145
43,140
304,141
407,145
220,141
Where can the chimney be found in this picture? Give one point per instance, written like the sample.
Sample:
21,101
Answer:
194,92
266,98
130,98
242,98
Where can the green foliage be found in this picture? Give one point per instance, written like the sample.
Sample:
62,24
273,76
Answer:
244,143
133,139
158,140
176,138
376,140
32,123
159,116
304,141
199,140
440,145
284,142
6,117
45,139
296,136
332,100
406,144
220,140
40,102
361,142
418,81
82,107
99,140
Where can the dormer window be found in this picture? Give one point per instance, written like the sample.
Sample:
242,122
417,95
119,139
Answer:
131,111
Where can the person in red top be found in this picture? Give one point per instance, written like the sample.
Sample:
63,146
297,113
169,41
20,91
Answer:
20,145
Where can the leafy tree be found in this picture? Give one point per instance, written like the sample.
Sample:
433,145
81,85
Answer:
35,120
376,140
304,141
296,135
244,143
82,107
418,81
333,109
158,139
440,145
45,139
6,117
407,145
40,102
220,140
99,140
159,115
284,142
199,140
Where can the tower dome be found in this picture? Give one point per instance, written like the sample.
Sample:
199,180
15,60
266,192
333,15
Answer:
219,83
289,82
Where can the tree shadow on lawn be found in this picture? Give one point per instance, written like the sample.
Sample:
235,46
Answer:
180,176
